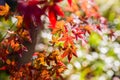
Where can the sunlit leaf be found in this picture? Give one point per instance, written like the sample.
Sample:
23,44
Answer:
94,39
60,27
4,10
20,21
68,40
69,52
8,61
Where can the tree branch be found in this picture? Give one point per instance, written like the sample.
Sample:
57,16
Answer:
26,57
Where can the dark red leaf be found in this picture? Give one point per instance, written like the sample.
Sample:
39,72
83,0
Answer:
69,57
57,0
33,2
43,2
31,12
3,68
61,64
78,33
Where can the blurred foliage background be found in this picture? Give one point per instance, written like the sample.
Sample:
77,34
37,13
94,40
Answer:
98,60
101,59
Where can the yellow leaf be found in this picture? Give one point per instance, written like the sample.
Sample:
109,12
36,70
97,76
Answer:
20,21
88,28
60,70
54,40
15,46
4,10
39,60
25,34
59,27
8,61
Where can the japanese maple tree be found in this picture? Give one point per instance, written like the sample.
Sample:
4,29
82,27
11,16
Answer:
17,47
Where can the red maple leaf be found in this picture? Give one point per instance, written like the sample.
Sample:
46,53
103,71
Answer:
69,52
68,40
78,33
53,11
3,68
70,2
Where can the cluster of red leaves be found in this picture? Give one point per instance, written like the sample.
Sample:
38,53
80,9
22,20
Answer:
77,26
32,10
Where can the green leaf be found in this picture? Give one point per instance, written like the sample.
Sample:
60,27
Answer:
94,39
111,16
1,36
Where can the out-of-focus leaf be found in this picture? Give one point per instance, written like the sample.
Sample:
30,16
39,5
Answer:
4,75
1,36
111,16
94,39
70,2
118,26
20,21
4,10
111,53
58,10
99,67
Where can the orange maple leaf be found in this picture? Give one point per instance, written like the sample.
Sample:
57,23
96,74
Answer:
15,45
68,40
88,28
54,40
60,27
4,10
73,8
69,51
90,11
54,56
20,21
24,34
